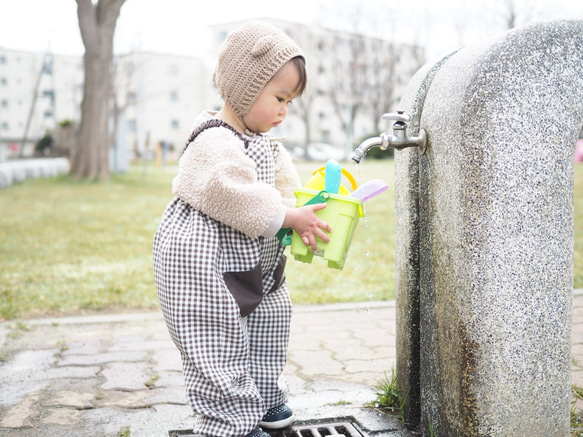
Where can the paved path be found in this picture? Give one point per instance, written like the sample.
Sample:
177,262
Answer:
101,375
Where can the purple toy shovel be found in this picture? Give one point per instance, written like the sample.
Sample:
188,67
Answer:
369,189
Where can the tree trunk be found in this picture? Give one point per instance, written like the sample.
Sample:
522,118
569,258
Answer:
97,21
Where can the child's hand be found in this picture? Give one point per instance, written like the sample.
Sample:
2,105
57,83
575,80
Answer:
306,223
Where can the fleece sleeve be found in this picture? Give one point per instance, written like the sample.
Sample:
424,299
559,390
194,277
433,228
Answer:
287,179
217,178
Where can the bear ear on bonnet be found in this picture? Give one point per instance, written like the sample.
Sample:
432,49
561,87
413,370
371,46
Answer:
263,45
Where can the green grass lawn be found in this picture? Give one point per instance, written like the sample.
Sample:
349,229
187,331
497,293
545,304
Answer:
70,247
578,205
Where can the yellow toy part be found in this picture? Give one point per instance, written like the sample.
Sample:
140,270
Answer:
342,213
317,181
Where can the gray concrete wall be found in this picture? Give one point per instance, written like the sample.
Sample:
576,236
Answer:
18,170
484,236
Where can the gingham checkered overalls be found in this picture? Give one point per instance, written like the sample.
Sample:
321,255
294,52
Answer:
233,361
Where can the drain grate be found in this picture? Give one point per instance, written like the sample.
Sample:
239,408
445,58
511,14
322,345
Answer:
320,428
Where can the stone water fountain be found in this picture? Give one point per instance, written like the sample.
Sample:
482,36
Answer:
484,234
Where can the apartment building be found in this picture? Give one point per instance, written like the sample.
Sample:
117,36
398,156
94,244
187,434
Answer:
37,90
352,80
158,97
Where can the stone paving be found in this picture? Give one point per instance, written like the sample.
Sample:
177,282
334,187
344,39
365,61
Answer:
103,375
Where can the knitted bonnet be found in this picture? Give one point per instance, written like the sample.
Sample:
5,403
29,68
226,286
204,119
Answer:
249,58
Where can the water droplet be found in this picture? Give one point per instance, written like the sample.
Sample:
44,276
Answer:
368,310
374,361
367,253
370,295
368,240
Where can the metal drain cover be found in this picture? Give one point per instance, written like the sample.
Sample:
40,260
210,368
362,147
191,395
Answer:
319,428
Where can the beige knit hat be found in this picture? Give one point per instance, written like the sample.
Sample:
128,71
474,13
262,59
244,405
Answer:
249,58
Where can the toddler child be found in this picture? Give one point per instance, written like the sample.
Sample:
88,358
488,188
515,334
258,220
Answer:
218,266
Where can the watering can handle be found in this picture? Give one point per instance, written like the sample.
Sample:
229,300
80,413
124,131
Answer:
285,235
345,173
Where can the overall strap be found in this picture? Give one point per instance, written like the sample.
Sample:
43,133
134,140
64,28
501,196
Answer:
215,122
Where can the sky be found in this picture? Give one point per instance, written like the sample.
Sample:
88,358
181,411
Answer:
181,26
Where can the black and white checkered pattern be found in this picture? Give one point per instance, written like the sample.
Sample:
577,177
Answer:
232,365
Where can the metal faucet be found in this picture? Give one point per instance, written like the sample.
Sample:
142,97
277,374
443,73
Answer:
399,140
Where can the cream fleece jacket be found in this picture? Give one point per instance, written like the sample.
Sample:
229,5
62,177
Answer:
218,179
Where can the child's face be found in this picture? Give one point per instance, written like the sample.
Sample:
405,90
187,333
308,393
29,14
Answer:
270,108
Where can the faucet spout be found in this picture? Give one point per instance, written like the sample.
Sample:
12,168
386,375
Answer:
365,146
399,140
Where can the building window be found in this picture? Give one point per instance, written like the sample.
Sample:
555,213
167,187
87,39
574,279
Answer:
48,68
4,125
3,81
132,126
175,124
173,69
2,59
174,96
4,103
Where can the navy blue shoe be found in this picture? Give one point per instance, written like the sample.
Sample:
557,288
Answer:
257,432
278,417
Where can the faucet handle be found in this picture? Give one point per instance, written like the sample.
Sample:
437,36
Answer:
397,116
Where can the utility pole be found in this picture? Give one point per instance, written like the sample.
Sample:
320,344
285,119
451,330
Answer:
46,64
